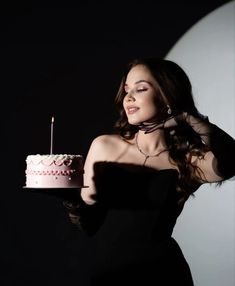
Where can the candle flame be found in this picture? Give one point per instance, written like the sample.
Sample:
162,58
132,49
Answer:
52,119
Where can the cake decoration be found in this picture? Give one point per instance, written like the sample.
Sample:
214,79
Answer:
54,170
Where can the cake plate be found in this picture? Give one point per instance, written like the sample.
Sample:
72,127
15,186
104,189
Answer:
61,193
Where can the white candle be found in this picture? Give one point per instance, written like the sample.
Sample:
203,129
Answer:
52,127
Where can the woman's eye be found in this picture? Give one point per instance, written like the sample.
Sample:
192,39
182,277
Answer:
141,89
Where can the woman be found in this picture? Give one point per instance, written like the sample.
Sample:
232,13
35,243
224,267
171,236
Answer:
140,177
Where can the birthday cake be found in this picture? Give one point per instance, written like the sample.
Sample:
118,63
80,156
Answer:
54,171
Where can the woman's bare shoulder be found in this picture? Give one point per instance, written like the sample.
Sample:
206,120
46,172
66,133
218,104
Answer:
108,147
107,141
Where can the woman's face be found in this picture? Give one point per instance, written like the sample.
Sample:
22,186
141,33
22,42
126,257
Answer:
141,95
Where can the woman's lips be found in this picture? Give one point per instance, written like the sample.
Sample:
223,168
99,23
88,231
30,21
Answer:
132,110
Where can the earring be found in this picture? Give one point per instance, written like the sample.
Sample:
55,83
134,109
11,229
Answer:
169,111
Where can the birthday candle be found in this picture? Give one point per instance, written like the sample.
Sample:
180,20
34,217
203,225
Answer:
52,129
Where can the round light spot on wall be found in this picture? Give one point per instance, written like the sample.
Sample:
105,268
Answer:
205,229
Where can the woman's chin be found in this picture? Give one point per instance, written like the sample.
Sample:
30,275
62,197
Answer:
134,122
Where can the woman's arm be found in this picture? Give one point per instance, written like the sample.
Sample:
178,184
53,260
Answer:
219,163
87,213
88,218
98,152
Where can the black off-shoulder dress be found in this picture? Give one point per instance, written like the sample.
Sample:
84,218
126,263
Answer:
131,228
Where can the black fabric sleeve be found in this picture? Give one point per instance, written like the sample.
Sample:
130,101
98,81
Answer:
220,143
222,146
88,218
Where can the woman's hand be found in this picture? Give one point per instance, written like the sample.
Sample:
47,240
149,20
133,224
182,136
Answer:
199,123
169,122
72,208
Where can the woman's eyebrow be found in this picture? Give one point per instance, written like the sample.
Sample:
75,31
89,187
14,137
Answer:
140,81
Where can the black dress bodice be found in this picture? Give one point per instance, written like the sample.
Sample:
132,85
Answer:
134,219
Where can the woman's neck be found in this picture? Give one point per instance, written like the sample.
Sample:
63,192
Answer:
151,142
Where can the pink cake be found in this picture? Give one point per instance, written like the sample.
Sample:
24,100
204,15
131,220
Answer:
54,171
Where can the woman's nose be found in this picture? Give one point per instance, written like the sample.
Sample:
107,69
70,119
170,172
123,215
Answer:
130,97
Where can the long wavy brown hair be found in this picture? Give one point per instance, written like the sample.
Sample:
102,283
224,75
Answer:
175,89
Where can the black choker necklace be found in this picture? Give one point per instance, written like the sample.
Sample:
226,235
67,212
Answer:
147,155
150,126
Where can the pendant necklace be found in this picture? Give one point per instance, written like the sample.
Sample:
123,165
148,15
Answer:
147,155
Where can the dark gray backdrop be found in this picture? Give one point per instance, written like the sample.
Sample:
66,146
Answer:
66,61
